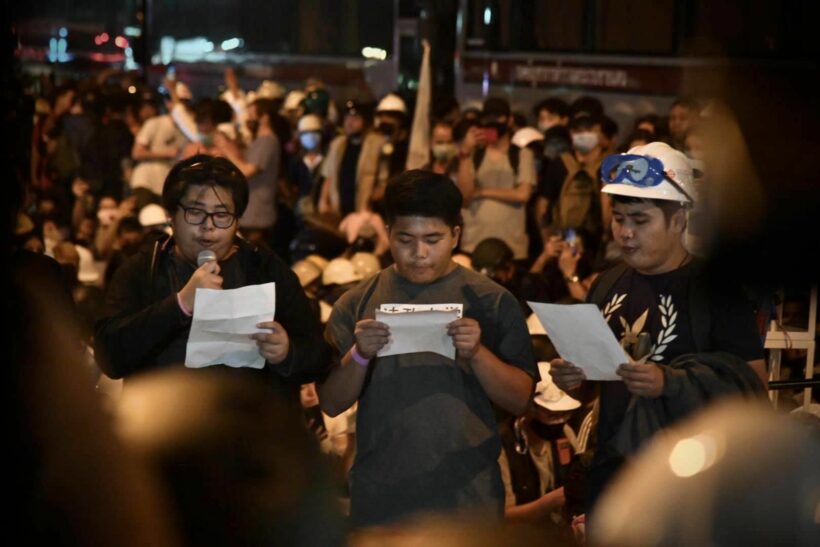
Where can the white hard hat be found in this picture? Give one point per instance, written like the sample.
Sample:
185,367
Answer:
309,122
391,103
306,271
183,91
319,260
526,136
365,264
269,89
340,271
86,273
550,396
293,99
152,215
673,183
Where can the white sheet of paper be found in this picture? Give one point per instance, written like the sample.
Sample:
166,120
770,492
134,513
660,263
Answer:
222,321
416,331
582,337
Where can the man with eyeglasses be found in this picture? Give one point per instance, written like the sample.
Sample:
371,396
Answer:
150,301
692,337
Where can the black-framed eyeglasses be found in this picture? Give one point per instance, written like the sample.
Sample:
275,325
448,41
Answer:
196,216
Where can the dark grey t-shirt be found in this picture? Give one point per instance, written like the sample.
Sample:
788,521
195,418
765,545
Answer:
426,430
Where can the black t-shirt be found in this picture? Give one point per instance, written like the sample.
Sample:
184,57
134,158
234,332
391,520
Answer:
347,176
660,305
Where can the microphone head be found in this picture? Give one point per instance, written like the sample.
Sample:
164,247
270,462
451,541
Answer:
205,256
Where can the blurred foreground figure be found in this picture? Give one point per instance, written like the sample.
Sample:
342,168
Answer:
736,474
237,462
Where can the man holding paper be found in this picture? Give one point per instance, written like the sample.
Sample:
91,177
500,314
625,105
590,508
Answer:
702,338
426,430
152,298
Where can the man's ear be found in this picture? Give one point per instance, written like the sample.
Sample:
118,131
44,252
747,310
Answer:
679,220
456,236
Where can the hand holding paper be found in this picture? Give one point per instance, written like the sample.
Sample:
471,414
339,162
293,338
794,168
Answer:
371,336
466,334
582,337
273,343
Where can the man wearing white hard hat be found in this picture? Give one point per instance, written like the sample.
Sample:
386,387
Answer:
392,122
692,338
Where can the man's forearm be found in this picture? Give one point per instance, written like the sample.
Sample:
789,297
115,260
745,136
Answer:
343,385
509,387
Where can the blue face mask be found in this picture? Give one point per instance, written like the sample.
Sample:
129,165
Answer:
310,141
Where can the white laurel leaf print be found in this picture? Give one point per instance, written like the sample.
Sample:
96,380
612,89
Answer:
663,321
656,357
660,350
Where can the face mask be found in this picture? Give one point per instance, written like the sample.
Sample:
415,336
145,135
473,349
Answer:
253,126
387,128
310,141
585,141
205,139
444,152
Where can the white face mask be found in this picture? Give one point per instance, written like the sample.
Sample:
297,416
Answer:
584,141
444,152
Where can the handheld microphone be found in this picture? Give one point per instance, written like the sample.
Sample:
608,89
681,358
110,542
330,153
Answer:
205,256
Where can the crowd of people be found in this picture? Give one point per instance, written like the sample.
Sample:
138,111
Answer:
128,186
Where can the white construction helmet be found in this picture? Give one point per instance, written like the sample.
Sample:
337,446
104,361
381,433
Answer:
153,215
550,396
340,271
269,89
293,99
319,260
391,103
650,171
309,122
365,264
306,271
526,136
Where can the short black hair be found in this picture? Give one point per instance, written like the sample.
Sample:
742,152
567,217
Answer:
267,106
668,207
424,194
496,107
582,121
586,105
205,111
205,170
129,223
553,105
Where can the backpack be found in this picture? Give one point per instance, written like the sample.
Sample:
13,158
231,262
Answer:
578,205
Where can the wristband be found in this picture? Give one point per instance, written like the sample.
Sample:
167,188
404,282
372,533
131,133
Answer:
182,307
358,357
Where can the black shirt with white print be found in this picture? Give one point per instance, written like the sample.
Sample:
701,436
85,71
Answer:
659,304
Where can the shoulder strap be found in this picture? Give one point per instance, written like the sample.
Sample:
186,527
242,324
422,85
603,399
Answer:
604,283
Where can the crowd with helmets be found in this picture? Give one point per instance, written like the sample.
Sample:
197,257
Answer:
541,193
